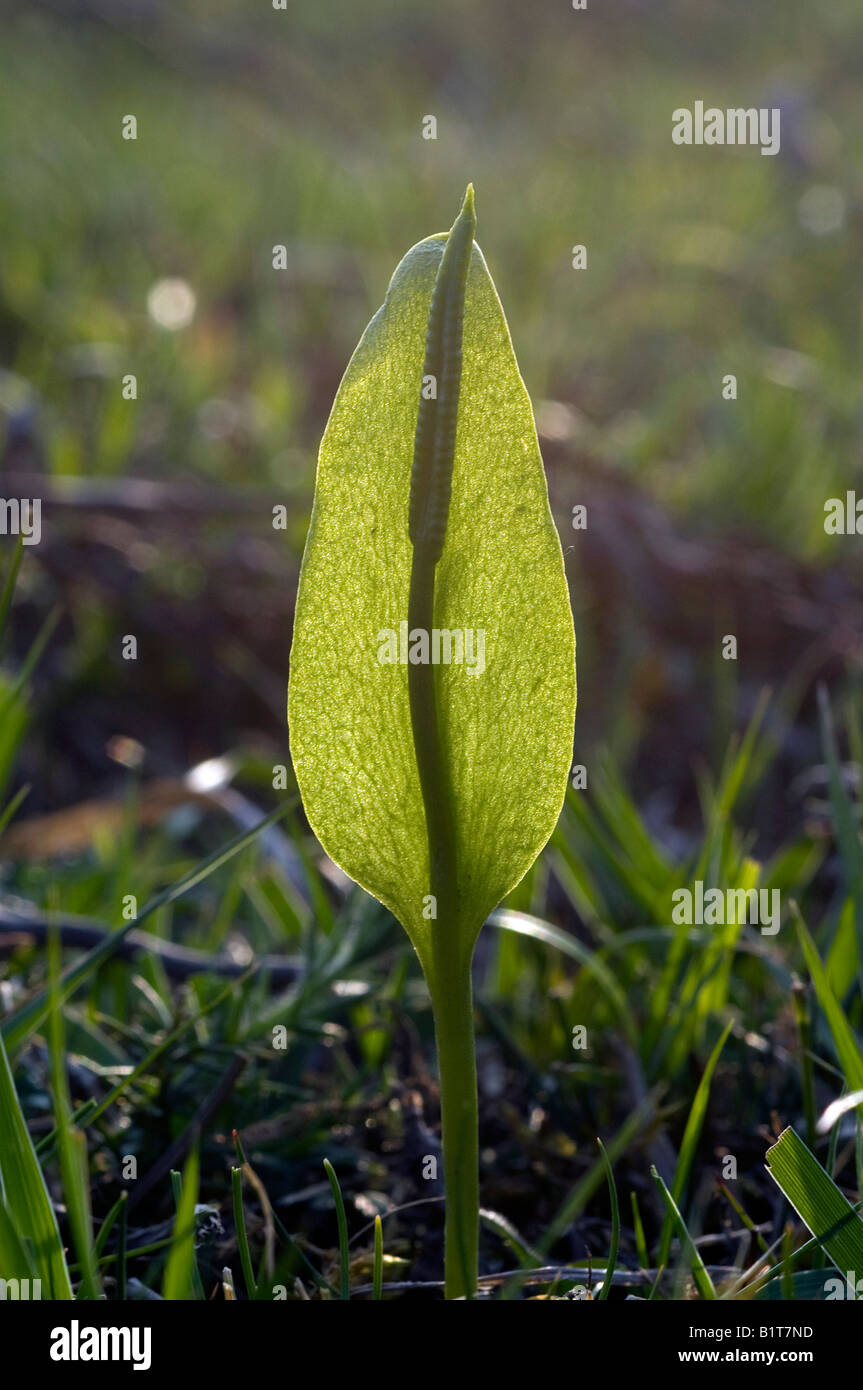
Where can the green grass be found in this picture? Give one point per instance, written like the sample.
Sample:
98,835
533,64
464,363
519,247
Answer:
693,1009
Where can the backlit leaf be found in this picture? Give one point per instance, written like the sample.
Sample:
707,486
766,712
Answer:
507,720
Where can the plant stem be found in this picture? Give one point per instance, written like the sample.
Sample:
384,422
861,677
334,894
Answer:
449,979
452,1002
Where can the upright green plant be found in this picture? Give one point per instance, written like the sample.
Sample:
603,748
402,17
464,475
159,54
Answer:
432,688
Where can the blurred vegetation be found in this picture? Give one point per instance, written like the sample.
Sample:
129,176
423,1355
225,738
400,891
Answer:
258,127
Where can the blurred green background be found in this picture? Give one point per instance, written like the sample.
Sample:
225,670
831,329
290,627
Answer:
303,127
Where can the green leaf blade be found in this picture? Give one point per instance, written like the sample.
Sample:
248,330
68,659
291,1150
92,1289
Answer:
506,730
817,1200
847,1047
180,1264
23,1192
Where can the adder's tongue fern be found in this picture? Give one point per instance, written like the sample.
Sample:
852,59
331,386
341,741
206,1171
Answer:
435,787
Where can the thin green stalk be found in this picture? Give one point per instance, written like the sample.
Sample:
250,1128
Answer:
242,1234
378,1271
638,1228
450,980
8,590
72,1145
452,1003
183,1240
688,1146
611,1262
122,1245
301,1256
9,810
449,975
744,1217
803,1019
344,1253
107,1225
703,1281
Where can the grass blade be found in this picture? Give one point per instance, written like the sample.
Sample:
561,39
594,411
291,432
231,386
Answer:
344,1254
638,1229
703,1281
24,1193
71,1144
847,833
611,1263
847,1047
180,1265
817,1200
378,1273
8,591
690,1142
242,1234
